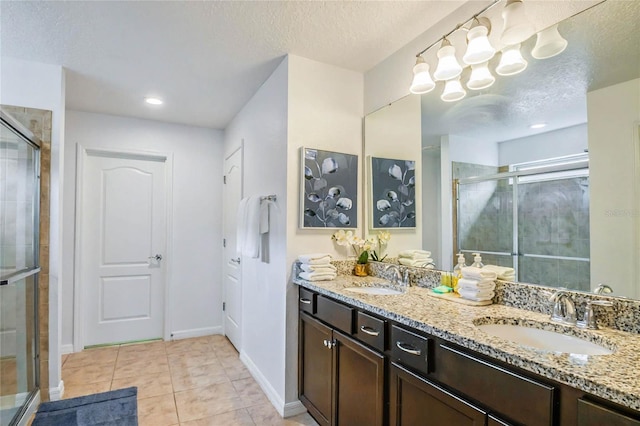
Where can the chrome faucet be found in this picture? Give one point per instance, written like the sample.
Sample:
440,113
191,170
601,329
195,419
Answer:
589,319
564,310
398,277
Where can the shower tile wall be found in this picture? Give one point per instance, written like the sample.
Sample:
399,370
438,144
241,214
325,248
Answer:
553,219
38,121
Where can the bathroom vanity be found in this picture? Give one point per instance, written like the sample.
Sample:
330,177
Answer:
411,359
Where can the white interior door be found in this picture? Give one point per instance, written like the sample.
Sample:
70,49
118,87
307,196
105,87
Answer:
123,239
232,272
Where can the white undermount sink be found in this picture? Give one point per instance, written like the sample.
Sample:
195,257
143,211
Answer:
544,339
373,290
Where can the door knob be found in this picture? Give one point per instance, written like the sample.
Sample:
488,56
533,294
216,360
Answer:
237,260
157,257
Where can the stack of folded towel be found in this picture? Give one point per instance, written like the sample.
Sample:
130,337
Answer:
477,284
504,273
317,267
421,258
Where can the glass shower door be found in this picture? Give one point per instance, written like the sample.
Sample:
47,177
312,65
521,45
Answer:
19,213
553,229
485,220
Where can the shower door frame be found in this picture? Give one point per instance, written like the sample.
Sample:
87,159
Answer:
32,398
515,254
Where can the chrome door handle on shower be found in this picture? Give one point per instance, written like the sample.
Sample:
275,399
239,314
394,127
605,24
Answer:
237,260
157,257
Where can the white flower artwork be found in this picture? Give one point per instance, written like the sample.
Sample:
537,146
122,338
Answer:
329,189
393,193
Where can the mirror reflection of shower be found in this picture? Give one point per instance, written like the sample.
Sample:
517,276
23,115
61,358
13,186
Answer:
533,217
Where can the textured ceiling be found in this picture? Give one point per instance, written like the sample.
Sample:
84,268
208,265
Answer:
205,59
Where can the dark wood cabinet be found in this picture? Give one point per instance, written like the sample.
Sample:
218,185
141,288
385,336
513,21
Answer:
341,381
316,366
416,401
359,368
359,383
592,414
494,386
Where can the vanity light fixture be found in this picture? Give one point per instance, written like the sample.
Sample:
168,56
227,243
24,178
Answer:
549,43
448,66
511,61
422,81
479,49
481,77
453,91
478,52
153,101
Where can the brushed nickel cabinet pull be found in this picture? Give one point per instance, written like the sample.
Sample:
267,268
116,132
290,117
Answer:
305,301
368,330
408,348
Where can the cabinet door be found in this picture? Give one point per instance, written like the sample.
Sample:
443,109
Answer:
315,359
416,401
359,383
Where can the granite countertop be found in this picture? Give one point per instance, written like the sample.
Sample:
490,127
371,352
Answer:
612,377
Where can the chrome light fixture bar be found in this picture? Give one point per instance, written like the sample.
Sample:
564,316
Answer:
479,51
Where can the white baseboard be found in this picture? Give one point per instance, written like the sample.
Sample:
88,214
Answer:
294,408
262,381
56,393
285,410
67,349
196,332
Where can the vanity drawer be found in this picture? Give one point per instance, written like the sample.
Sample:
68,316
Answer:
517,397
411,349
334,313
590,414
371,330
307,301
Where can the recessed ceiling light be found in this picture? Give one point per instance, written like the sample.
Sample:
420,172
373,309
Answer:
538,125
153,101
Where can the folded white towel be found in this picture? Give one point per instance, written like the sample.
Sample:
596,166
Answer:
503,272
315,276
318,268
421,263
315,258
475,285
477,296
477,273
248,227
414,253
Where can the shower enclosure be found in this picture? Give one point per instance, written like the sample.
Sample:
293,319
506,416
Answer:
19,269
534,218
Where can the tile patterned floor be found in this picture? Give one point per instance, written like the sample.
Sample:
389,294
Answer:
191,382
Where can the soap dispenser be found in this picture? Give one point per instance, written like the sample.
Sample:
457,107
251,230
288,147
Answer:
457,271
477,261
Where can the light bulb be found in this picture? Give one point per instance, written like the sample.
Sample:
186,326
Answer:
511,61
481,77
453,91
479,49
517,28
549,43
422,81
448,66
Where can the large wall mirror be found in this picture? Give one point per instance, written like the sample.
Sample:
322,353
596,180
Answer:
559,202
